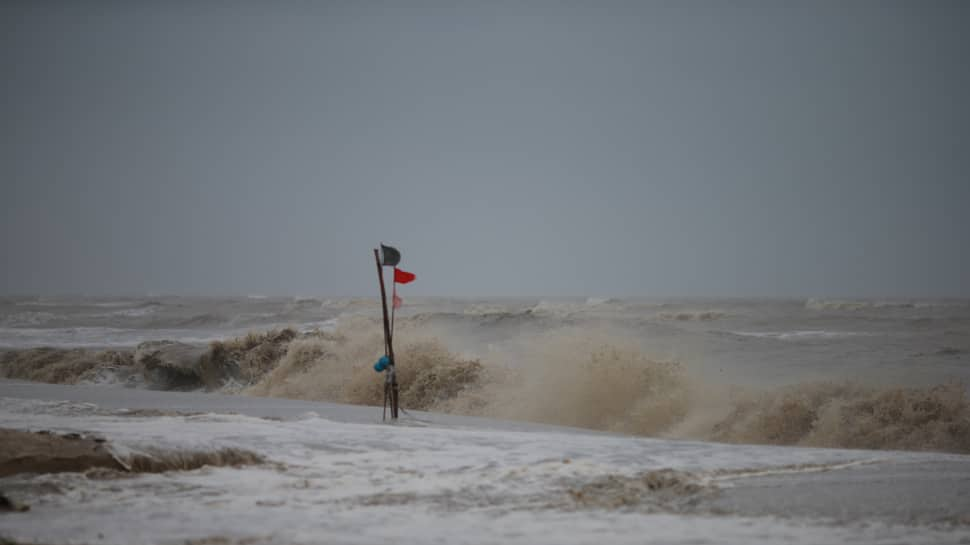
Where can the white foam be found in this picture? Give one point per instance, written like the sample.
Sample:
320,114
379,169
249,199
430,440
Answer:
371,483
115,304
30,318
136,312
800,335
856,305
326,325
102,337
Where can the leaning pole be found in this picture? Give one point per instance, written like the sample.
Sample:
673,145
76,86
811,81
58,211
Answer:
390,383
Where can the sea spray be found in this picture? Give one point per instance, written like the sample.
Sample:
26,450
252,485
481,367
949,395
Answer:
849,415
586,379
338,367
578,376
601,381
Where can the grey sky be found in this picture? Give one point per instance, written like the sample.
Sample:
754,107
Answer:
507,148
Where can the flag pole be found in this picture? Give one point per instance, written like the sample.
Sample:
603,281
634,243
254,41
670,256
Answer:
388,346
393,307
387,330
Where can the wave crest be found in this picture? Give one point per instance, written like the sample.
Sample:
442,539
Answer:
64,366
569,376
692,316
857,305
848,415
582,379
338,367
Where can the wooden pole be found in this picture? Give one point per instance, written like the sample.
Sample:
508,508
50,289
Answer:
387,329
388,346
393,308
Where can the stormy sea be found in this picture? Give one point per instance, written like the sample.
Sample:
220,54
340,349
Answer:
559,420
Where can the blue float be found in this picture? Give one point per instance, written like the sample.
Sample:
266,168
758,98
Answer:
382,364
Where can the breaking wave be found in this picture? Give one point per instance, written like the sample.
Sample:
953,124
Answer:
163,365
594,380
62,366
566,307
29,318
849,415
569,376
856,305
600,301
664,489
338,367
692,316
799,335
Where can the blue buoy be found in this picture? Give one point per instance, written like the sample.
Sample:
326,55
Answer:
382,364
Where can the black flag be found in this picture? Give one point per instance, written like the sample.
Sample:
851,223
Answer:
390,256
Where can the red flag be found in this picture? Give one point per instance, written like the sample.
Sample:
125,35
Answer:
403,277
397,301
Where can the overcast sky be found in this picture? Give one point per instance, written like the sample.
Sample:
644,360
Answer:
507,148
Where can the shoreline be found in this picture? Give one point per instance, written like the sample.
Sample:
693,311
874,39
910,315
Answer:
438,477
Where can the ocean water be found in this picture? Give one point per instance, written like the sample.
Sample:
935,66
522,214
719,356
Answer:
886,374
764,341
689,420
